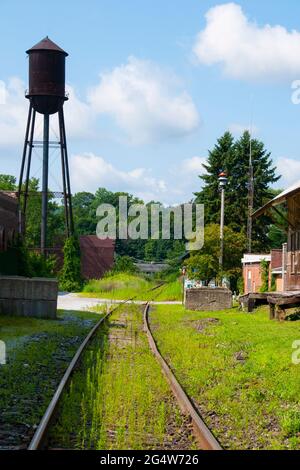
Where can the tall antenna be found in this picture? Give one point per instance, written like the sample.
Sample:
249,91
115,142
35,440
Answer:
250,191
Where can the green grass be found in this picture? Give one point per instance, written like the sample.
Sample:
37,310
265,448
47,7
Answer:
118,286
119,399
38,352
172,291
125,286
239,371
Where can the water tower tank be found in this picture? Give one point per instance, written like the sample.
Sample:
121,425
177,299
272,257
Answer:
46,77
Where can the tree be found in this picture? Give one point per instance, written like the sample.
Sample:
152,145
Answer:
124,264
234,159
7,183
219,159
56,218
70,276
264,176
84,213
278,230
204,264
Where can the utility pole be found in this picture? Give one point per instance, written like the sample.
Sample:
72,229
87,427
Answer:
45,185
250,199
222,184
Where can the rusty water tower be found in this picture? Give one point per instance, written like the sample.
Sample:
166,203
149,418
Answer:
46,96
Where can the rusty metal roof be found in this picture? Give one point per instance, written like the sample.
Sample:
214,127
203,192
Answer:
280,199
46,45
93,240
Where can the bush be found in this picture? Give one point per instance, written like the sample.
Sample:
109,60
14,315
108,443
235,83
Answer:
240,285
70,279
19,261
124,264
41,266
265,269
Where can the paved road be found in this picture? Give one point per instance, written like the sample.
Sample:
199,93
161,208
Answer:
76,302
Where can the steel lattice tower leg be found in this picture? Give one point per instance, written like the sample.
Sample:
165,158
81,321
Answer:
23,188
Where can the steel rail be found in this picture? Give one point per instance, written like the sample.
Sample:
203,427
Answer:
39,439
204,436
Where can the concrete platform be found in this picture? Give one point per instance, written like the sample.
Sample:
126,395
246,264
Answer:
28,297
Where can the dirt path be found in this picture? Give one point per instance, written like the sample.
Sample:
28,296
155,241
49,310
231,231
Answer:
76,302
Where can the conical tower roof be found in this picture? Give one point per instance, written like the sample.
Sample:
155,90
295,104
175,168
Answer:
46,45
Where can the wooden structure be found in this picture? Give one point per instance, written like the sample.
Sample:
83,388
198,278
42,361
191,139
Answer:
278,302
290,297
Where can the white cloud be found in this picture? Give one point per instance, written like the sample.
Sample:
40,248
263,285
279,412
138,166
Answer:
145,101
13,112
80,119
185,178
289,168
193,165
237,129
89,172
246,50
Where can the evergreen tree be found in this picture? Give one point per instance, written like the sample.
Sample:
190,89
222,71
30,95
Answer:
234,159
219,159
70,276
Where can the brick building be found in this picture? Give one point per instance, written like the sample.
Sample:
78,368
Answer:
252,271
290,201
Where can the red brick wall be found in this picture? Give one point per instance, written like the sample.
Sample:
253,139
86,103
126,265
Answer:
252,278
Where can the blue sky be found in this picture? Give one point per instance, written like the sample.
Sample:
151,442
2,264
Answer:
148,95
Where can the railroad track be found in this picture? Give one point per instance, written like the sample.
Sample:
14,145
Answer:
202,434
39,439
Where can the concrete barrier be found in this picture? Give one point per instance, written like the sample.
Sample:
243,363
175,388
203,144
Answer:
24,297
208,299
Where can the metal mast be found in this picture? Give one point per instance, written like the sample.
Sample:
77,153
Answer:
222,184
250,198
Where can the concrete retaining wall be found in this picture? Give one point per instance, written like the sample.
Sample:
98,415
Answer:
208,299
25,297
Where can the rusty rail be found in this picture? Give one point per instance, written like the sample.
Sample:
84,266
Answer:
205,438
39,439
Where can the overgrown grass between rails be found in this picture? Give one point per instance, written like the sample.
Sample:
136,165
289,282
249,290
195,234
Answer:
238,368
118,286
171,292
38,353
119,398
125,286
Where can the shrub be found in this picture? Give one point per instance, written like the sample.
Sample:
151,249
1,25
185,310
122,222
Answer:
240,285
265,268
70,276
41,266
124,264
